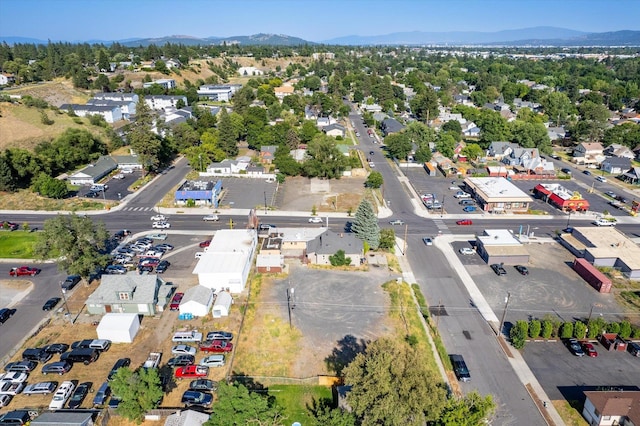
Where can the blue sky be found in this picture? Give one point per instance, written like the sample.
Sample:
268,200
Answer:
77,20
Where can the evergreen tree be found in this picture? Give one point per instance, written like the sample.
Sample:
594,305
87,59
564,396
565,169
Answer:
143,141
226,134
365,225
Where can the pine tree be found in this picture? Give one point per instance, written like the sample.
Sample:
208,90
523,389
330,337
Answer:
365,225
226,134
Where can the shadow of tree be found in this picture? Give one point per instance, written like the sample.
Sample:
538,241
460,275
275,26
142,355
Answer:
345,352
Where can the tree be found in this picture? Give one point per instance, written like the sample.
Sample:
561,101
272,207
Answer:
365,224
339,259
50,187
534,329
139,391
452,126
471,410
566,330
308,131
226,134
530,135
7,182
493,127
446,144
76,241
518,334
472,151
579,330
387,239
285,162
143,141
547,329
425,105
236,405
325,159
374,180
593,119
327,416
392,385
398,145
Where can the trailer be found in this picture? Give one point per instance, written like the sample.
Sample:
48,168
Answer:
592,275
153,360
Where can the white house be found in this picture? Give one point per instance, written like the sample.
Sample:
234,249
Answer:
244,71
94,172
227,261
117,96
119,328
159,102
128,108
110,113
166,83
222,305
197,301
219,92
6,79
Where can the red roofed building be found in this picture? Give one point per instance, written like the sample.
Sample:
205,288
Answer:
561,197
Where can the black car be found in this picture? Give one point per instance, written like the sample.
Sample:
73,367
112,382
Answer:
145,268
71,282
162,266
21,366
192,397
36,354
522,269
203,385
122,362
498,269
81,344
92,194
181,361
5,314
50,304
56,348
586,172
79,395
575,347
460,368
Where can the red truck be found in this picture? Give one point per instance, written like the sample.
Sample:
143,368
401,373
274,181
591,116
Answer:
24,270
191,371
216,346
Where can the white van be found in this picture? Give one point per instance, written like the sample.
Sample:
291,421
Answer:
187,336
99,187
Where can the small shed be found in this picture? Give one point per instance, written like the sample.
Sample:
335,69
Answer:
222,304
119,328
64,419
197,301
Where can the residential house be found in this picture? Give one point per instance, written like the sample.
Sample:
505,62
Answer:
94,172
615,165
165,83
117,96
379,116
390,126
470,130
256,170
129,293
227,167
6,79
334,130
299,154
160,102
127,162
462,100
187,418
66,418
173,116
128,108
518,156
612,408
110,113
248,71
371,108
283,91
173,63
617,150
632,176
636,152
324,121
445,165
197,301
267,153
218,92
556,133
519,104
329,242
588,153
310,113
499,150
203,193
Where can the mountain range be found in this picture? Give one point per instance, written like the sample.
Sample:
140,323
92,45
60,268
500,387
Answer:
536,36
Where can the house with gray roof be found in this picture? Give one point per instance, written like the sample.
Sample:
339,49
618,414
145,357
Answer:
328,243
59,418
501,149
187,418
632,176
267,153
128,162
334,130
615,165
129,293
556,133
110,113
128,108
390,126
117,96
618,150
94,172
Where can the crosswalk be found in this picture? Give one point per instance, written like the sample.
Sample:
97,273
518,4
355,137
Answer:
442,227
137,209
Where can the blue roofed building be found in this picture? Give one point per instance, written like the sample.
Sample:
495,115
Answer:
203,193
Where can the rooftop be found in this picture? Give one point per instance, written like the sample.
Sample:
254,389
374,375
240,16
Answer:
607,242
497,188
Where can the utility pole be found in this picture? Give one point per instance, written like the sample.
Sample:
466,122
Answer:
504,313
569,218
64,298
265,202
289,304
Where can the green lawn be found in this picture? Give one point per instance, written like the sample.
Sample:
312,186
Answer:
297,399
17,244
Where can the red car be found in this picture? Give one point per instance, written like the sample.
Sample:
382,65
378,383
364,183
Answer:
590,350
205,243
464,222
24,270
216,346
192,371
175,302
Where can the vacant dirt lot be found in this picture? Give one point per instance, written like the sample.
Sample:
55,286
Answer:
301,194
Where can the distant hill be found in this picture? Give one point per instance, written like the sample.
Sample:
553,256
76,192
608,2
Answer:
616,38
265,39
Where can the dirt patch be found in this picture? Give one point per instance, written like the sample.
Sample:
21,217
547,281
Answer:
27,200
342,195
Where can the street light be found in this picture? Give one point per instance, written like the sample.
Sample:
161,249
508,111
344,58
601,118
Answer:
265,202
64,298
504,313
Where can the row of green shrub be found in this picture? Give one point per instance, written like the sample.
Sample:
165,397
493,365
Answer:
548,328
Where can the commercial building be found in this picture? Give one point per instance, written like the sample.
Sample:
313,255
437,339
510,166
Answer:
498,195
562,198
501,246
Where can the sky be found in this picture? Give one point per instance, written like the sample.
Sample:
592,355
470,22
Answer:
312,20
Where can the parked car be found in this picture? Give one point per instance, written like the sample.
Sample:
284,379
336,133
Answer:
36,354
50,304
187,336
14,376
5,314
464,222
601,179
181,360
5,400
466,251
71,281
192,397
175,301
11,388
79,395
211,218
164,246
590,350
205,243
460,368
633,348
40,388
21,366
462,194
161,225
56,348
212,361
158,218
24,270
575,347
158,236
428,241
162,267
16,417
498,269
203,385
191,371
469,209
522,269
102,395
219,335
122,362
315,219
566,170
60,367
183,350
396,222
145,268
216,346
62,395
115,270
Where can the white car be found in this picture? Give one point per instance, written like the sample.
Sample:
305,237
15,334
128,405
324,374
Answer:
315,219
601,179
462,194
372,164
211,218
466,250
40,388
14,376
157,236
161,225
604,222
5,400
183,350
158,217
62,394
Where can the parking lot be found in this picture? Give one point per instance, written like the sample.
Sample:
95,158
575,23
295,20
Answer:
118,188
245,193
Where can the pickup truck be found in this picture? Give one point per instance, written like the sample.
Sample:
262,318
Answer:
192,371
153,360
216,346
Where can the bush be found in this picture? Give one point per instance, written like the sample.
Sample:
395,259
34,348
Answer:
518,334
547,329
339,259
595,327
613,327
625,329
566,330
534,329
44,118
579,330
635,333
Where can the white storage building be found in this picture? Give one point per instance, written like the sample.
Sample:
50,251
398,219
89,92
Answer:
197,301
222,305
119,328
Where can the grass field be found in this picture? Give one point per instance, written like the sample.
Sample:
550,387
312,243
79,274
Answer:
17,244
297,400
